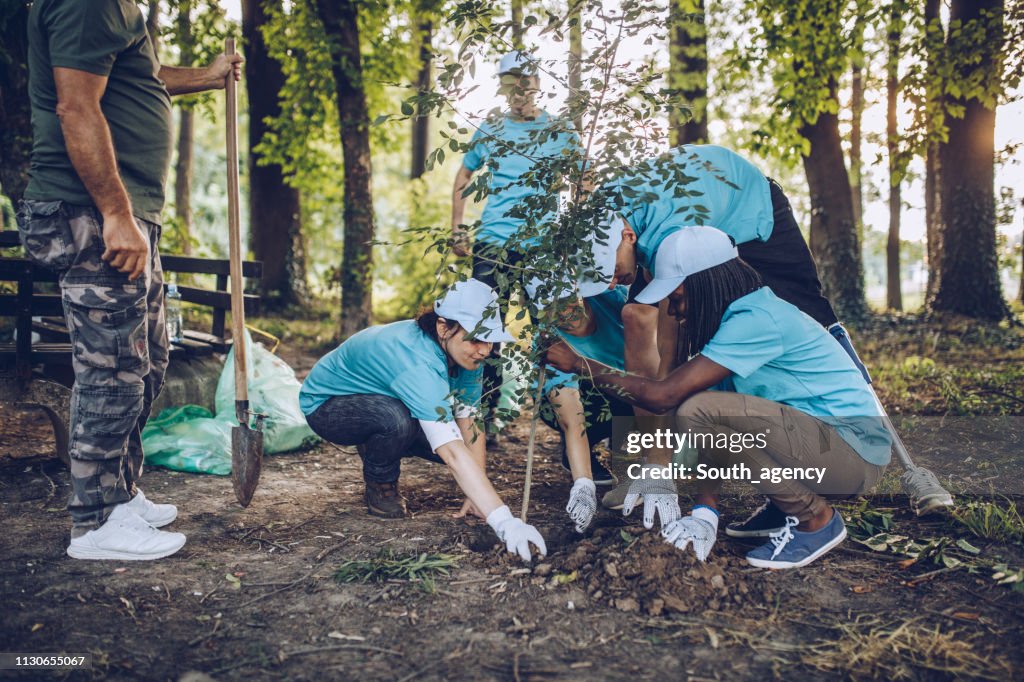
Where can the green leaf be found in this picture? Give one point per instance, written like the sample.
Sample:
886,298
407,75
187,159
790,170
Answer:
967,547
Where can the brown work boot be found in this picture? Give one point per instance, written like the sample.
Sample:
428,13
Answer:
384,500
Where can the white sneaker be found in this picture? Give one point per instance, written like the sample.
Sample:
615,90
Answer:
156,515
125,536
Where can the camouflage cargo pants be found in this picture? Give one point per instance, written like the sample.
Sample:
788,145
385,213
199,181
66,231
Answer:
120,349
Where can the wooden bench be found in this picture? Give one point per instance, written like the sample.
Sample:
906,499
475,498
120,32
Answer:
38,373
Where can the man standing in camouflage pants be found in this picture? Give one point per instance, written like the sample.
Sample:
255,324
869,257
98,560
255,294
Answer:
101,119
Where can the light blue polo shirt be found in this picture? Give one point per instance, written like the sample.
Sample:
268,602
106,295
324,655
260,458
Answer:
607,343
396,360
695,184
519,155
776,352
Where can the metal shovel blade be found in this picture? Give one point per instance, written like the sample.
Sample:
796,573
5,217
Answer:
927,496
246,461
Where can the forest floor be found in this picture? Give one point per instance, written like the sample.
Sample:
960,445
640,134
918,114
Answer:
256,593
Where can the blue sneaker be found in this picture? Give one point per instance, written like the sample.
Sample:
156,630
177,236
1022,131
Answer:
791,548
767,519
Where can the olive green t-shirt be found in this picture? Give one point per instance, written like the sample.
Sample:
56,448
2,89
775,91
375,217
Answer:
106,38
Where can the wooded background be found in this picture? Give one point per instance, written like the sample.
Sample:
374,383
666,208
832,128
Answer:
350,107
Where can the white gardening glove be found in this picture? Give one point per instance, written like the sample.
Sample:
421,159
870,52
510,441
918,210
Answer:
700,528
582,503
659,495
516,535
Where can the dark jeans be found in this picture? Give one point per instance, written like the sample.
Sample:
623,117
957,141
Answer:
487,271
381,425
595,403
785,262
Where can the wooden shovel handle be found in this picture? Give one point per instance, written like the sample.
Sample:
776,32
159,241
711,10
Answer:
235,234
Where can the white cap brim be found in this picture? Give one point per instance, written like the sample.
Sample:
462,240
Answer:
658,290
491,332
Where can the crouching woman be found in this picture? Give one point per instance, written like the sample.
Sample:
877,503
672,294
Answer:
405,390
786,391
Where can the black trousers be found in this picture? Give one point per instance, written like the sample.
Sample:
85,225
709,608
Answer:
499,275
785,262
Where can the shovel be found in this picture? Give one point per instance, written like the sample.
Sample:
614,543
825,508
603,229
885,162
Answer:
246,442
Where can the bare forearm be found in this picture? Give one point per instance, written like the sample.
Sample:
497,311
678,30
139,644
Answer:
643,392
91,150
475,441
182,80
470,476
462,179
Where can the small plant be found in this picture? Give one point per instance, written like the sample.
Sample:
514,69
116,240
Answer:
417,568
991,521
865,522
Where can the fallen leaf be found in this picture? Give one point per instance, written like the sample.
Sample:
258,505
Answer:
860,589
37,627
906,563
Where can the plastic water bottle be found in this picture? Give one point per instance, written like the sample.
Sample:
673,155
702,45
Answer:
173,310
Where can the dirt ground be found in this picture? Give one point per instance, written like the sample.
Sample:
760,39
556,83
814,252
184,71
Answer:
253,595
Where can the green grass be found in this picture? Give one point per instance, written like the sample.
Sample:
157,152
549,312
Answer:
991,521
415,568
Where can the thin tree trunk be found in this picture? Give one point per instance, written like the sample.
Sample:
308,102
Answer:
834,240
421,123
933,166
517,25
340,19
275,225
153,25
893,292
856,122
688,70
969,272
576,66
186,133
183,178
15,113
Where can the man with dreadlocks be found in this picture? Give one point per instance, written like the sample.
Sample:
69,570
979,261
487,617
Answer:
786,391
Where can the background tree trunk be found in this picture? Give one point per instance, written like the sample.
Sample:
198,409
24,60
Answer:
968,282
834,240
183,177
576,65
15,114
153,25
856,124
275,225
186,134
340,19
933,167
421,123
688,70
517,24
893,291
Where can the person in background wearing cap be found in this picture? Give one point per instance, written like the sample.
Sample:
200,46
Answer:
521,148
389,391
701,185
790,388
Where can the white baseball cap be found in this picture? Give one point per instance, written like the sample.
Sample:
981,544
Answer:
518,62
596,274
683,253
474,305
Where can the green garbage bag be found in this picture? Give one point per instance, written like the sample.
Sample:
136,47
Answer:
190,438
